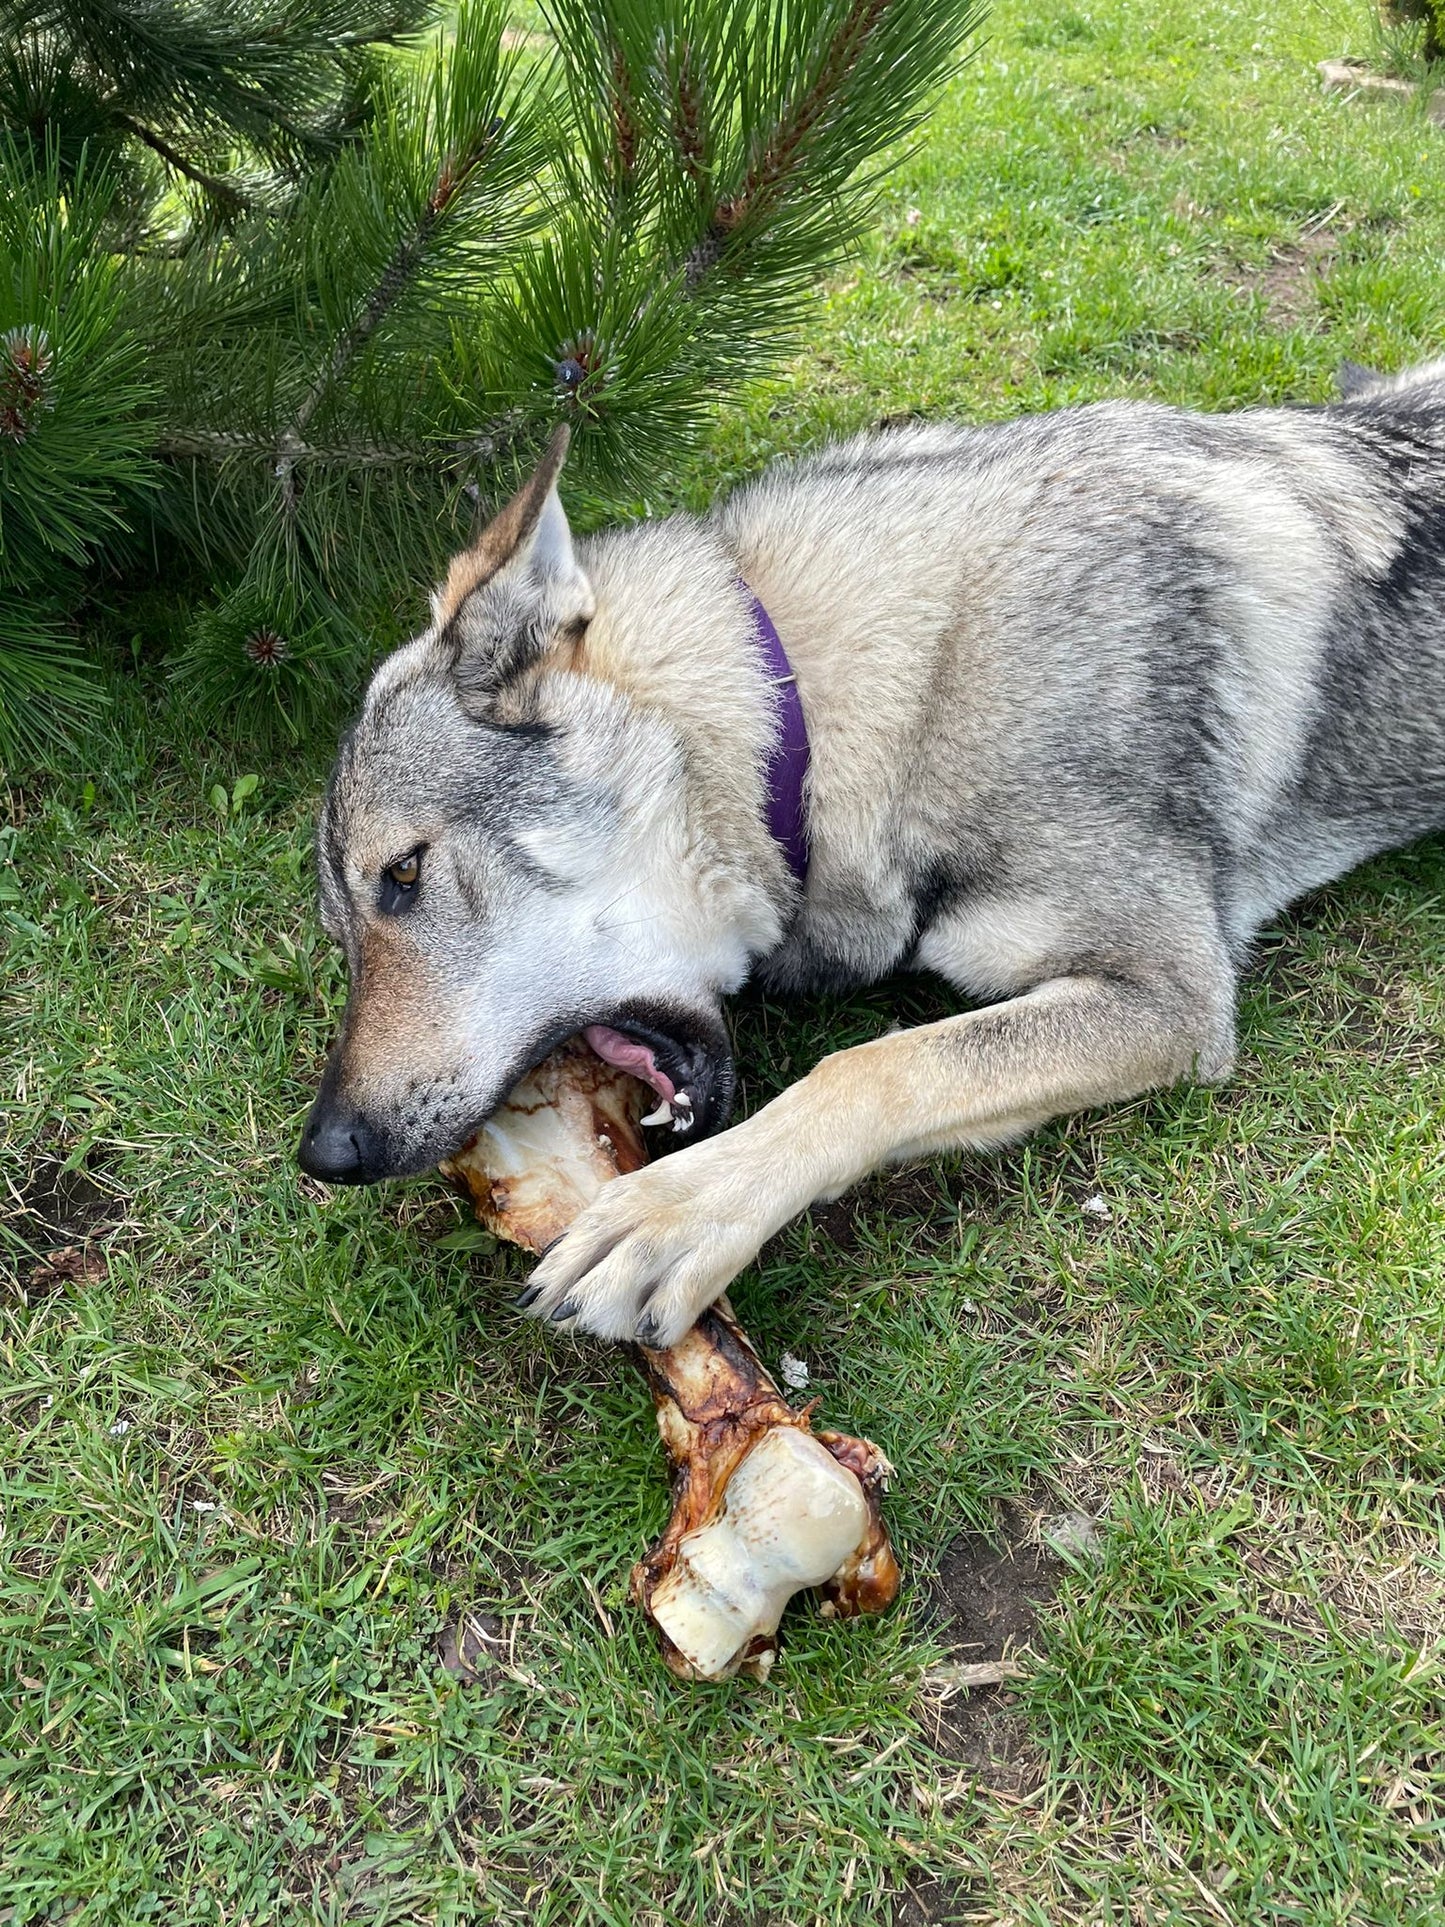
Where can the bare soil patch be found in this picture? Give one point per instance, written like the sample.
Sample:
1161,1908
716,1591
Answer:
989,1593
62,1216
1290,283
927,1902
473,1646
57,1205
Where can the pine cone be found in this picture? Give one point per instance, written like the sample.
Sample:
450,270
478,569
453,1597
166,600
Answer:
26,385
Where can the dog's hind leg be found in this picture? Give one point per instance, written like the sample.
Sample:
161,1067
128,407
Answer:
659,1245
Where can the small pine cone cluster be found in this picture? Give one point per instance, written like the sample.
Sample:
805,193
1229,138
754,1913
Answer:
26,383
265,647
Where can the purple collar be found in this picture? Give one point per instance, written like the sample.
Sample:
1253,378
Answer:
787,771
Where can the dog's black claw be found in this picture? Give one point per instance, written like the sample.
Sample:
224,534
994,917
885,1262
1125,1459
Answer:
527,1297
647,1331
566,1309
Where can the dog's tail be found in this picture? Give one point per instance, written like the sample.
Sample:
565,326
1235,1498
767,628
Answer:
1357,383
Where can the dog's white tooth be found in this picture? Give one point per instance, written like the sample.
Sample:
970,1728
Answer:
662,1115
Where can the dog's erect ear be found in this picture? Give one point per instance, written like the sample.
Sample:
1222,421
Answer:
527,548
1355,379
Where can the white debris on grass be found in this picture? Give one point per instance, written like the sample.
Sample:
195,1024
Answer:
795,1372
119,1429
1097,1206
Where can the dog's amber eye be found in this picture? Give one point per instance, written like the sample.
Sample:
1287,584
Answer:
398,885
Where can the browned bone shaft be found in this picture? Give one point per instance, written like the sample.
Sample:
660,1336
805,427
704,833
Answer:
570,1126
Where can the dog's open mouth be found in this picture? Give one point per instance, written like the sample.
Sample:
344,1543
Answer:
632,1054
683,1056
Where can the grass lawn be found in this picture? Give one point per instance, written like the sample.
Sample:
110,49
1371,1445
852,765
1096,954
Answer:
264,1445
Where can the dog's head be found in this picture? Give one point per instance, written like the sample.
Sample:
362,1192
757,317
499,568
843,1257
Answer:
502,858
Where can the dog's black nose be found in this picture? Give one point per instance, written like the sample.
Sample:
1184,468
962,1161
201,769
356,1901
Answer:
338,1145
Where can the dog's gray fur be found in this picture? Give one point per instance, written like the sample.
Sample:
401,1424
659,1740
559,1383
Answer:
1090,696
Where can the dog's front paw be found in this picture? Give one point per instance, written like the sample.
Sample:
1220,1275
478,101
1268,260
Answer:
653,1250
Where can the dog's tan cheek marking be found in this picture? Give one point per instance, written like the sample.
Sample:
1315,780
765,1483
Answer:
392,1034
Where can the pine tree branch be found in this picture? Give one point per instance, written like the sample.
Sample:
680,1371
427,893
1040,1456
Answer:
689,120
400,270
624,121
767,177
221,445
238,202
768,173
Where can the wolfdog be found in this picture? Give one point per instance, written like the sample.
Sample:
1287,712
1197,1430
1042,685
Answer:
1060,709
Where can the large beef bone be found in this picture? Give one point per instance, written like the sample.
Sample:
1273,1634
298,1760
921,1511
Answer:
762,1505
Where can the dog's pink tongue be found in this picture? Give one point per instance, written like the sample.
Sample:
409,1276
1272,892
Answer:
615,1047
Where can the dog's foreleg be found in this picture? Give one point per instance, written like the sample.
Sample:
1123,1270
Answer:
658,1246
